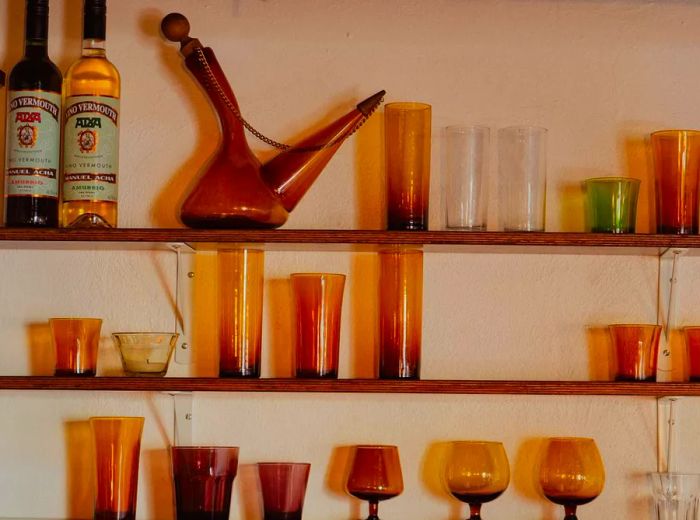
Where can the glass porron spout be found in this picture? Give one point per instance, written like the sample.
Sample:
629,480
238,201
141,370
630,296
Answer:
236,191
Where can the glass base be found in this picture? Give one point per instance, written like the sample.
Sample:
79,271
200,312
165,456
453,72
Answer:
650,379
246,375
459,227
71,373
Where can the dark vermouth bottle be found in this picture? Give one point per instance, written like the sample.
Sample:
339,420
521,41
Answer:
32,156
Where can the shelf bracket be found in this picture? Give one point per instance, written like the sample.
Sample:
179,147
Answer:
667,433
182,418
184,287
669,269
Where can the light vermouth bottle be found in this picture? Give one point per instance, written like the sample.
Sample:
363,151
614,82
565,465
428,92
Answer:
91,129
32,157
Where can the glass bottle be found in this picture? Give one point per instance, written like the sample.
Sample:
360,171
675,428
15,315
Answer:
91,132
33,148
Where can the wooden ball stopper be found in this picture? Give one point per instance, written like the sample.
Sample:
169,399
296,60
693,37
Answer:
175,27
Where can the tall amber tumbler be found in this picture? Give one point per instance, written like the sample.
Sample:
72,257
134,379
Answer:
117,447
407,128
676,167
400,313
241,276
318,300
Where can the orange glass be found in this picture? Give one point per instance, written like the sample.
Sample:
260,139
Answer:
676,167
76,341
692,343
400,313
636,350
571,472
117,447
318,300
407,128
241,277
375,475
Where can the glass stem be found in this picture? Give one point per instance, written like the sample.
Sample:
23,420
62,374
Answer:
474,511
373,510
570,512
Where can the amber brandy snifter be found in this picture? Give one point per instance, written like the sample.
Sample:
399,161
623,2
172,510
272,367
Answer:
571,472
375,475
477,472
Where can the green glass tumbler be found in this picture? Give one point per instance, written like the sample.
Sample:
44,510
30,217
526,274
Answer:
612,204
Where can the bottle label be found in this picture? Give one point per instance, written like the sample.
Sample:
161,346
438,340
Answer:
91,148
33,143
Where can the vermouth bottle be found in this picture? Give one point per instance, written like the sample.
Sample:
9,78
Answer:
33,147
91,131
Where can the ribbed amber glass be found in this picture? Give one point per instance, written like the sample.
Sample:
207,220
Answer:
76,341
400,313
117,448
407,129
241,277
636,351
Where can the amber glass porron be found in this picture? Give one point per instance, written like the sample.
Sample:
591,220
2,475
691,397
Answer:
117,448
241,277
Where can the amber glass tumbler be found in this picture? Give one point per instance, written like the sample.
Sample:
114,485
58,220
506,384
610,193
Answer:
636,350
692,344
203,477
117,447
283,487
76,341
407,129
241,276
400,313
318,300
676,166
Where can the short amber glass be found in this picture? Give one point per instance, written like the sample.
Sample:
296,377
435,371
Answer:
676,167
400,313
407,128
375,475
571,472
283,486
117,447
318,301
636,351
76,341
241,277
477,472
692,344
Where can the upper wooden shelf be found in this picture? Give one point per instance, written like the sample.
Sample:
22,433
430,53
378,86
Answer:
345,240
425,386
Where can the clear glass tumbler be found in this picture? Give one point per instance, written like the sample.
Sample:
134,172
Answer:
241,278
612,204
522,171
466,176
676,495
407,128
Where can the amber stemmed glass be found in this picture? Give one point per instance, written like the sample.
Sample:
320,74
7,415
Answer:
477,472
375,475
571,472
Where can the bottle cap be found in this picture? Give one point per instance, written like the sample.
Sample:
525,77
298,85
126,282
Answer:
94,19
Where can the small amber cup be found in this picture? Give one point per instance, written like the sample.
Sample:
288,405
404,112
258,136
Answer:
117,448
76,341
636,348
407,129
241,277
318,300
400,313
692,344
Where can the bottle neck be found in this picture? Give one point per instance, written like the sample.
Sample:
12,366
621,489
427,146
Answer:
93,48
36,33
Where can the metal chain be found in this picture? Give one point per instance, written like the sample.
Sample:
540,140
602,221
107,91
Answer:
276,144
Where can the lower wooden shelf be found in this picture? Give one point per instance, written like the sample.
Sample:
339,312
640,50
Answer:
425,386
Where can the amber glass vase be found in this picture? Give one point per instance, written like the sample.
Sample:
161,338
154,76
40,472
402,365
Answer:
571,472
375,475
676,168
318,301
400,313
117,447
241,277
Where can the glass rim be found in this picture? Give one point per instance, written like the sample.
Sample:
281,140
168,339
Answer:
407,105
530,128
635,325
691,327
317,275
675,473
463,129
400,250
117,417
376,446
549,439
145,333
673,132
296,464
475,442
61,318
203,448
613,179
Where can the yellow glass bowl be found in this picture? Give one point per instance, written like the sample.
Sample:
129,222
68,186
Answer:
145,353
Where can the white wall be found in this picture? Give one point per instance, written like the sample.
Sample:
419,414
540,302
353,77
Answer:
599,74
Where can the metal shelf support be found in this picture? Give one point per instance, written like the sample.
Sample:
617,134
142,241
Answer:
184,288
667,433
182,418
669,273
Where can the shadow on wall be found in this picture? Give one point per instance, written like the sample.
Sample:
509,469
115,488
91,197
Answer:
525,477
337,476
432,471
281,344
42,354
249,492
157,469
601,357
80,481
364,275
638,158
369,173
205,324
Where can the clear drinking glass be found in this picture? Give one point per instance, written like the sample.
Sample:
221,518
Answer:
318,300
636,351
612,204
466,172
76,341
407,128
117,449
522,171
145,353
676,495
241,278
283,488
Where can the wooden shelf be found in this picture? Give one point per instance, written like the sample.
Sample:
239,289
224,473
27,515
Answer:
347,240
181,384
